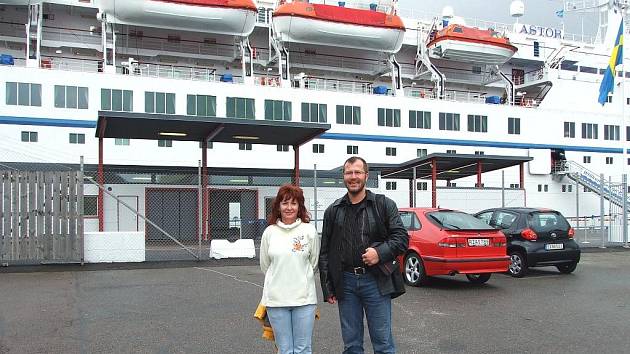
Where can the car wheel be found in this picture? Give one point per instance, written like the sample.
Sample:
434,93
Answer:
518,264
478,278
415,274
567,267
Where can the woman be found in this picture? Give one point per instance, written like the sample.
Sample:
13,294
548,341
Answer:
289,251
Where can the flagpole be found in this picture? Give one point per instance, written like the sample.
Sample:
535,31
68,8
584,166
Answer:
624,142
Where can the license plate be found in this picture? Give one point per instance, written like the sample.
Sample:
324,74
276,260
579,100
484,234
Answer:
478,242
554,246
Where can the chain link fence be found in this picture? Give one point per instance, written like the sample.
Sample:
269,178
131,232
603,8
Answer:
175,213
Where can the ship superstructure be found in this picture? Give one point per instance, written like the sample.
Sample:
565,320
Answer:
392,87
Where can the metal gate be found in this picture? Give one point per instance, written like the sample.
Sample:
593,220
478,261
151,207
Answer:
41,217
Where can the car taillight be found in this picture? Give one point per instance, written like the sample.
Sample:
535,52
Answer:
451,242
499,242
571,232
529,234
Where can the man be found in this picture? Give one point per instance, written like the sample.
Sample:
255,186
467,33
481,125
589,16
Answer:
354,243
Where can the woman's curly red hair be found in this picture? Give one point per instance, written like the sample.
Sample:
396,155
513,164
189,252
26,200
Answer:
288,192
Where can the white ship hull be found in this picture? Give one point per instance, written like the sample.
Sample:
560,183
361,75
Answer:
314,31
207,19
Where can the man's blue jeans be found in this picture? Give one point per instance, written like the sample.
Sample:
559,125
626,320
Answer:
292,328
361,294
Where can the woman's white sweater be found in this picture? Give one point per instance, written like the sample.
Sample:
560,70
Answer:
288,258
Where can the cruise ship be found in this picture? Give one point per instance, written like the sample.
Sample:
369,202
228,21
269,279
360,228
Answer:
366,78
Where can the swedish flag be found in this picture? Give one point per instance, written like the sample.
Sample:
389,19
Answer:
608,83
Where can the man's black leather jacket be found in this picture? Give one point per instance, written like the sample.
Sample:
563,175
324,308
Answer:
393,243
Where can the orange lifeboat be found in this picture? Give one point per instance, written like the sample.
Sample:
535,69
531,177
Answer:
467,44
230,17
339,26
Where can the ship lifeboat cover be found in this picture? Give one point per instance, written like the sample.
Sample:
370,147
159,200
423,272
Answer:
230,17
467,44
333,25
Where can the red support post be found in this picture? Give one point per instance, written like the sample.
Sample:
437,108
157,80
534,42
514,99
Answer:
478,173
296,167
433,183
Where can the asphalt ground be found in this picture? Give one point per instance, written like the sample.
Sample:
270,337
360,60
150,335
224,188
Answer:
207,308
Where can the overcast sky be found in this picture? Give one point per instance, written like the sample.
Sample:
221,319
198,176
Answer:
537,12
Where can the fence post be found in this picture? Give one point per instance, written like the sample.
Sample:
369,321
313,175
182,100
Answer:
602,182
199,207
502,189
315,195
624,185
80,207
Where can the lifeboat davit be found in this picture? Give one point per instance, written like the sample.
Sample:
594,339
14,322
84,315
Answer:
338,26
467,44
230,17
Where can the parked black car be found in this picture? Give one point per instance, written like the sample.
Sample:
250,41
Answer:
535,238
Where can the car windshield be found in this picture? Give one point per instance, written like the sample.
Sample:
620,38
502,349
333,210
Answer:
548,221
456,220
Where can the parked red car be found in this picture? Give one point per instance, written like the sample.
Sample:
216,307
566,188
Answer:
450,242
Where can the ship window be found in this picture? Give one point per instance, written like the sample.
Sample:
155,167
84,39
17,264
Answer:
76,138
420,119
245,146
536,48
116,100
209,145
421,152
71,97
628,133
388,117
159,102
29,137
282,148
348,115
390,151
422,186
352,149
391,186
586,159
476,69
449,121
23,94
477,123
611,132
589,131
588,70
165,143
609,160
314,112
514,126
277,110
201,105
568,66
238,107
569,129
121,141
451,152
318,148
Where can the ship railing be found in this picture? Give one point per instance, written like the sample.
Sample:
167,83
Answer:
179,73
319,84
381,6
67,35
163,45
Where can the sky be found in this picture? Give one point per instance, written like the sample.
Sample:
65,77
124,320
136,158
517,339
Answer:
537,12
